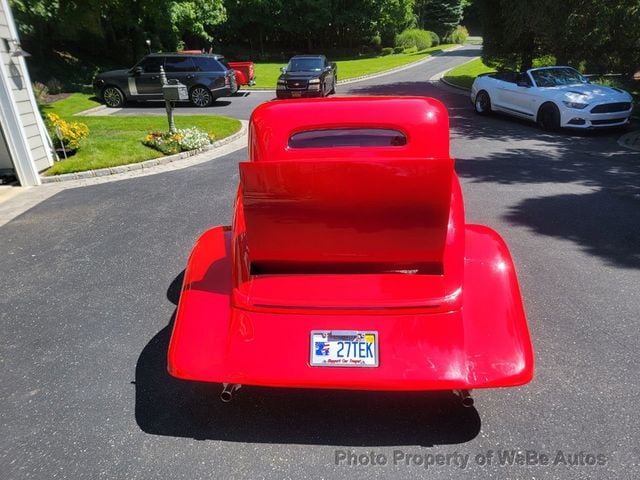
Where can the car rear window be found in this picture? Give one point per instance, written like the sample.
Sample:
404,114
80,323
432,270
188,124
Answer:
207,64
179,64
348,137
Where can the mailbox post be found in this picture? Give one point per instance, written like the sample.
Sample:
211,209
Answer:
172,91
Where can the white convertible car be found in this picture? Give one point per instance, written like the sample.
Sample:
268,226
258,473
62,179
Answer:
554,97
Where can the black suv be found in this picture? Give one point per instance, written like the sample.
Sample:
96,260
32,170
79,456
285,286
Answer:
206,76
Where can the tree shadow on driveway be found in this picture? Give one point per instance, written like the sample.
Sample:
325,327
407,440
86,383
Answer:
589,186
172,407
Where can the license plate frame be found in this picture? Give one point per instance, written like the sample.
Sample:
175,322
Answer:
356,340
296,94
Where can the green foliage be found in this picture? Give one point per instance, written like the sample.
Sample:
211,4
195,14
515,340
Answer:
459,35
40,91
54,86
435,39
398,49
386,51
441,16
464,75
600,36
421,39
64,36
394,16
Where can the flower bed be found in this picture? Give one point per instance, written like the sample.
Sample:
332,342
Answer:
182,140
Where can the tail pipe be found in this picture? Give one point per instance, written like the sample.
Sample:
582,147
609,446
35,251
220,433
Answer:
228,389
465,397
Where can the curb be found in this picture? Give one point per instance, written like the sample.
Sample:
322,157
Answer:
145,165
452,85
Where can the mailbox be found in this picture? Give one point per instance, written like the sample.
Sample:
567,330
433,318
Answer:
175,91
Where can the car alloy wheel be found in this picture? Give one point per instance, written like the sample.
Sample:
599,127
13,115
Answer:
483,103
201,96
113,97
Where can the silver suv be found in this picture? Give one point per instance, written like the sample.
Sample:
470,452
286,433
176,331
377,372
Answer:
207,76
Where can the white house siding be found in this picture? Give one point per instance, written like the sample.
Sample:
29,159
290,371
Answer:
33,148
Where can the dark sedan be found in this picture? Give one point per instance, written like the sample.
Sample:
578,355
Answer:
206,76
307,76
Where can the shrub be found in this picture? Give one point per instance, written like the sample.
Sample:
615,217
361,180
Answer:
376,42
459,35
398,49
411,50
414,37
40,91
386,51
67,134
182,140
435,39
54,86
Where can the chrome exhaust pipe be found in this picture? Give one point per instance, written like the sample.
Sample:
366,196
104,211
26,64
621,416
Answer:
228,389
465,397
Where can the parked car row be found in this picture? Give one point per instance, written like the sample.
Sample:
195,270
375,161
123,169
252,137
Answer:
210,76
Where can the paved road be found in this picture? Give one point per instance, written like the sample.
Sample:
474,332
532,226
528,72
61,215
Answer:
90,281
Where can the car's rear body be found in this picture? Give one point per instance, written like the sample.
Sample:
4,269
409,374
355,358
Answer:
349,223
245,73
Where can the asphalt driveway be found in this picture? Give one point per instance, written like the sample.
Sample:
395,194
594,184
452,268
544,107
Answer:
90,281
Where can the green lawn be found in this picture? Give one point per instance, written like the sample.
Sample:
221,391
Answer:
464,75
267,73
117,141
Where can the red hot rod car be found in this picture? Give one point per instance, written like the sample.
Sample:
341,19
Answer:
349,264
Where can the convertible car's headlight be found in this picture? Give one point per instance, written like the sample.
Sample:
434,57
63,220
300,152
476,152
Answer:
579,106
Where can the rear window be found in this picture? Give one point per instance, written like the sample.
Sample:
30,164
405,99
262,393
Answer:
207,64
348,137
179,64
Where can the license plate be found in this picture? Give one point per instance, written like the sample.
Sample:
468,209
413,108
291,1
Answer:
296,94
344,348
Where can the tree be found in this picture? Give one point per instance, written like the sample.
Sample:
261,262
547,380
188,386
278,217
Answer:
395,16
114,29
599,36
440,16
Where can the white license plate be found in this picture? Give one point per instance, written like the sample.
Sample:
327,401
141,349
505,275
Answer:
344,348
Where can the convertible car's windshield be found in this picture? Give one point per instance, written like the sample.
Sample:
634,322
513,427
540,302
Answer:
557,77
304,65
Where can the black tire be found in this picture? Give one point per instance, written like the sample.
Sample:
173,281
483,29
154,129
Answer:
549,117
482,103
200,96
113,97
333,86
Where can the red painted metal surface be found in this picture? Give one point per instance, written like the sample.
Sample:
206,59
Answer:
348,237
245,73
